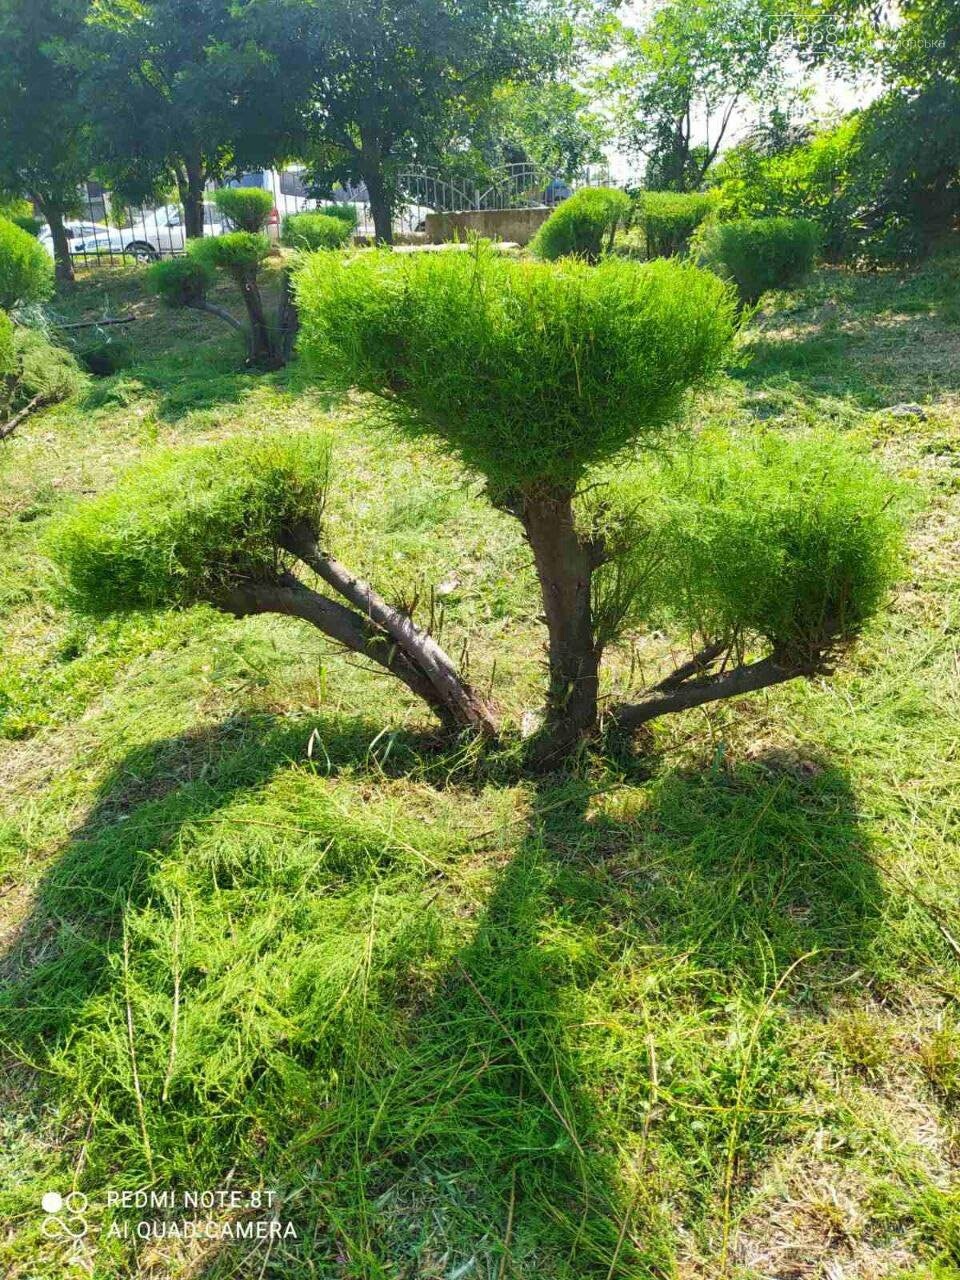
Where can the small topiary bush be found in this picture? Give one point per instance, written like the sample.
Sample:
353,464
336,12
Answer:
549,380
583,225
26,271
758,254
248,208
181,282
187,525
315,231
668,219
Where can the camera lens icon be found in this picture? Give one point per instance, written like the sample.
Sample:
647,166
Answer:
65,1215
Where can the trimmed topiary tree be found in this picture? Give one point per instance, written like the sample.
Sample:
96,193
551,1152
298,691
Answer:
185,282
312,231
248,208
758,254
26,271
559,385
583,226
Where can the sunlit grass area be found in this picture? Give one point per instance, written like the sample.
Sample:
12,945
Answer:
687,1010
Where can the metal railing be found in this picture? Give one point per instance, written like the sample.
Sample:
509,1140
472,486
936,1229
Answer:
107,232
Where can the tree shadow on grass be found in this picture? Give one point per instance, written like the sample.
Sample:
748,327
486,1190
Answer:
429,1091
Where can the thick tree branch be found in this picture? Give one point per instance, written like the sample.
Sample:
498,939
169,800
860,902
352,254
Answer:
9,427
697,666
288,596
422,651
694,693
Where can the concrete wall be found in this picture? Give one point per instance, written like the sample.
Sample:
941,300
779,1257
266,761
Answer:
516,225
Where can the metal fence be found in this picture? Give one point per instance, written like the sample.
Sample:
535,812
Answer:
107,232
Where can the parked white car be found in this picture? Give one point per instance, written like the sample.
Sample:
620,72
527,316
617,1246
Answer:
150,235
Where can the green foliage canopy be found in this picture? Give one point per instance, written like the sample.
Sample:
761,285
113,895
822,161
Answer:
793,541
668,219
530,372
246,207
188,524
239,253
181,282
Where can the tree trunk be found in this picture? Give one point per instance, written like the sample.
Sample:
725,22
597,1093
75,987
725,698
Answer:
564,562
381,200
464,705
191,186
61,245
261,340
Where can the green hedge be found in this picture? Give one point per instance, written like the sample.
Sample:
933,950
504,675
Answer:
239,253
583,225
187,524
758,254
315,231
668,219
179,282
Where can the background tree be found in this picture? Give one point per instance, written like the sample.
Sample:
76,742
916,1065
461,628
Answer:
381,79
678,83
178,92
44,138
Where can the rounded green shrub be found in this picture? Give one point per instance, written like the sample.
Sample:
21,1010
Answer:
315,231
345,212
667,219
239,253
758,254
248,208
793,540
186,525
26,271
181,282
583,225
529,371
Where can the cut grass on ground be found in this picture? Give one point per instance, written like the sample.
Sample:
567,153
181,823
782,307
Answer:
693,1015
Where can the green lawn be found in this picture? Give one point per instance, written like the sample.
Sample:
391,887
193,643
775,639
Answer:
689,1013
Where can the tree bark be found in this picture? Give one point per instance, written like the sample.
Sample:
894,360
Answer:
694,693
262,351
63,260
289,596
191,184
464,705
381,202
565,562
